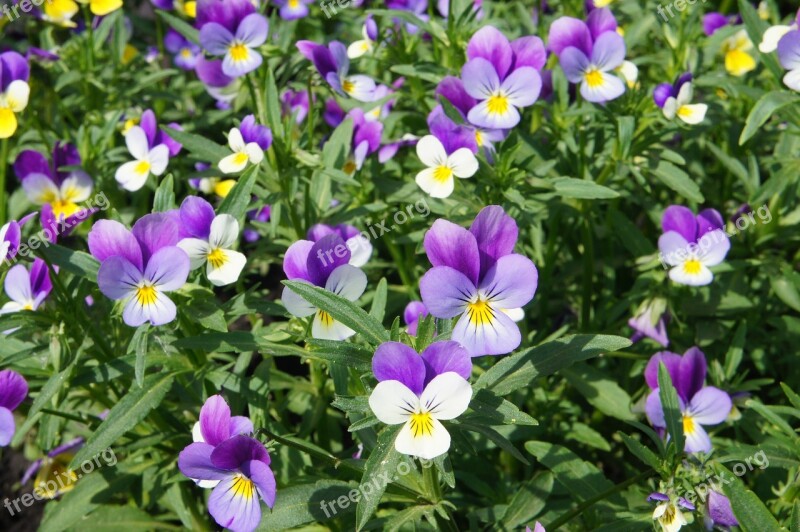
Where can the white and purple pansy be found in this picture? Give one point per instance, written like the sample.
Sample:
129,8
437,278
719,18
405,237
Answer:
789,56
324,263
668,511
233,30
11,235
333,65
248,143
26,289
358,244
700,405
14,91
13,390
691,244
441,166
293,9
184,52
140,266
210,241
366,138
477,277
151,149
589,52
420,391
502,76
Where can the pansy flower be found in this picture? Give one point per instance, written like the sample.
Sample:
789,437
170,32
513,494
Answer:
774,34
715,20
47,184
412,314
366,139
665,91
241,466
215,416
418,8
296,104
680,106
589,52
442,127
700,405
419,392
222,88
151,149
248,143
55,464
60,12
101,8
211,185
738,60
261,215
235,39
502,77
210,240
369,32
477,276
184,52
27,290
293,9
324,263
10,236
14,91
789,56
13,390
440,166
668,511
650,322
718,511
359,245
333,65
691,244
140,266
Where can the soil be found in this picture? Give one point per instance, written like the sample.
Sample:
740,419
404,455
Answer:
12,467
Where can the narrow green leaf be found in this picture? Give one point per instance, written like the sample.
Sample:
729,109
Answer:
337,148
378,308
237,200
679,181
671,406
75,262
498,410
199,146
382,463
571,187
164,199
764,108
306,503
734,355
180,25
138,346
747,507
641,452
582,479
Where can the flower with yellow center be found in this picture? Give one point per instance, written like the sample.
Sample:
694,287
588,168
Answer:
681,107
242,153
437,179
223,264
13,100
738,61
133,175
60,12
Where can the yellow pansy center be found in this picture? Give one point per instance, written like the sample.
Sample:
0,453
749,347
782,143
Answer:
442,173
142,167
190,9
63,207
348,86
217,258
688,424
146,295
243,487
692,266
241,158
55,472
479,312
684,111
421,424
497,104
186,53
325,318
239,52
669,515
478,138
594,78
294,4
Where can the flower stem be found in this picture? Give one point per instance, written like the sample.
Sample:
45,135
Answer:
3,169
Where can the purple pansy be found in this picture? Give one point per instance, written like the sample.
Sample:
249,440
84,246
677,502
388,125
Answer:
714,21
358,244
477,276
56,455
691,244
700,405
27,289
232,29
420,390
13,390
221,87
366,136
589,52
254,132
719,511
650,322
295,103
240,465
293,9
412,314
333,65
789,56
452,89
140,266
501,76
151,150
417,7
256,215
324,263
665,91
14,91
369,32
10,236
184,52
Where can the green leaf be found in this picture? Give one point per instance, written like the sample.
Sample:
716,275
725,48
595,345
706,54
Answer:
378,308
116,518
672,409
347,355
518,371
734,355
764,108
274,116
382,463
528,501
747,507
164,199
201,147
125,415
581,479
75,262
305,503
792,396
679,181
181,26
237,200
571,187
138,346
337,149
494,436
601,391
498,410
641,452
341,310
786,291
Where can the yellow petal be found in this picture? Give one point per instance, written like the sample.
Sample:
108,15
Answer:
739,63
8,123
104,7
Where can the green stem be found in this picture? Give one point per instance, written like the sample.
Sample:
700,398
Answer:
430,478
588,273
597,498
3,169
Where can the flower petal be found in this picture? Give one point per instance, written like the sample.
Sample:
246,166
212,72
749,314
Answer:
13,389
463,163
234,504
714,247
445,291
233,263
18,285
224,231
672,362
608,51
196,217
393,402
710,406
168,268
295,304
215,420
197,250
511,282
448,244
264,479
480,78
195,462
108,238
433,185
160,312
447,396
7,426
609,88
296,259
487,333
491,45
523,86
252,30
117,278
429,441
394,361
136,140
444,357
215,38
347,281
324,327
681,220
431,152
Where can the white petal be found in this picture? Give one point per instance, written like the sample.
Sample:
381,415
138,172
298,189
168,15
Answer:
436,188
516,314
326,328
347,281
224,231
361,88
235,140
630,72
136,140
680,275
360,250
609,88
769,42
431,151
77,187
685,94
463,163
670,108
254,153
693,114
18,285
233,164
296,305
17,94
393,402
447,396
197,433
40,189
714,246
233,264
129,176
359,48
197,250
158,158
792,79
426,444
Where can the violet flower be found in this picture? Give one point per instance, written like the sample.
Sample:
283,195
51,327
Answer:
719,512
502,76
256,215
452,88
248,143
359,245
151,149
665,91
333,65
589,52
366,137
649,322
14,91
668,511
13,390
232,29
140,266
10,236
420,392
293,9
324,263
222,88
477,276
789,56
700,405
369,32
691,244
27,290
295,103
412,314
184,52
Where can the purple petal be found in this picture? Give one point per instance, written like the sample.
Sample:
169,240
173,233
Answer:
264,479
215,420
31,162
7,426
118,277
710,406
13,389
569,32
394,361
681,220
241,425
496,234
253,132
234,508
174,41
172,145
658,496
789,50
654,410
480,78
195,462
150,126
691,373
228,13
452,136
522,86
235,451
215,38
445,291
708,220
318,231
609,51
211,74
529,51
109,238
40,278
326,255
713,21
600,21
155,231
574,63
320,55
252,31
490,44
168,268
196,215
414,311
720,511
442,357
672,361
511,282
13,67
448,244
452,88
296,259
663,92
